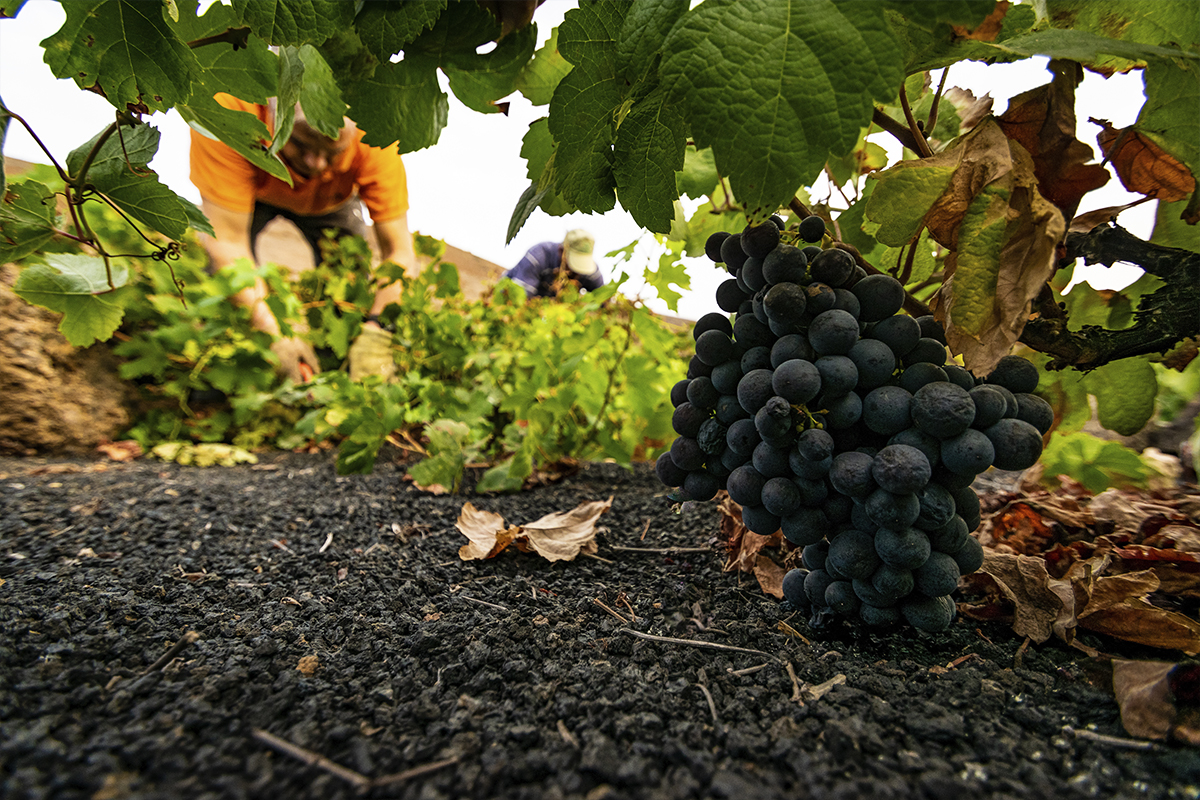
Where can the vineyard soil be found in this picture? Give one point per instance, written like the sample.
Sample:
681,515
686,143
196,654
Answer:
334,614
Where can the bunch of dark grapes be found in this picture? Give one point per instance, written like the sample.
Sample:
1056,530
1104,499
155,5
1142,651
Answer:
828,414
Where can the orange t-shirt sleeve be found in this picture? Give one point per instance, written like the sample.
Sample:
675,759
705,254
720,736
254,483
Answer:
218,171
382,182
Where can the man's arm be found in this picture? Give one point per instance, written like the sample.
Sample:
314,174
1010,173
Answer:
231,242
395,244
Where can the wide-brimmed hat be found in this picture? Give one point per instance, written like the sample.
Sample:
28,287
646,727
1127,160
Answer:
577,249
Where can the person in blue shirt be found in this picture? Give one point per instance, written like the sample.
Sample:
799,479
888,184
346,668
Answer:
543,269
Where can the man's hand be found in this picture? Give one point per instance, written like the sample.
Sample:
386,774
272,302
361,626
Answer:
371,354
292,353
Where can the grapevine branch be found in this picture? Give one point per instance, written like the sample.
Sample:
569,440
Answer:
931,121
612,377
901,132
1162,320
77,190
918,137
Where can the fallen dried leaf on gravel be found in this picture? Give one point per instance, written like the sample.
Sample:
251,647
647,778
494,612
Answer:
744,549
559,536
1156,699
1046,558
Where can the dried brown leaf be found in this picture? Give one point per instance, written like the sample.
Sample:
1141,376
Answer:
486,532
1108,591
769,575
1127,511
1177,582
980,158
1185,538
561,536
1144,696
1026,583
1143,166
1042,120
982,320
971,110
1082,223
1137,620
125,450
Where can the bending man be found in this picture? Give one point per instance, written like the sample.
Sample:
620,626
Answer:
329,178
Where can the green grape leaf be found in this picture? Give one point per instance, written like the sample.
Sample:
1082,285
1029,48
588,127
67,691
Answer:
527,203
1171,231
903,195
670,272
291,79
462,27
893,260
77,287
320,97
699,176
1094,462
439,473
538,150
648,152
1169,116
1107,38
707,220
504,477
1171,23
929,44
295,22
864,158
542,74
480,80
10,9
851,222
126,49
1064,390
646,26
119,171
584,107
1084,47
448,282
348,57
537,147
1084,306
806,75
1125,392
401,103
241,130
147,200
28,219
136,144
386,27
249,72
979,241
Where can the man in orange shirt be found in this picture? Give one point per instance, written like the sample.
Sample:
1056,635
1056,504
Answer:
329,177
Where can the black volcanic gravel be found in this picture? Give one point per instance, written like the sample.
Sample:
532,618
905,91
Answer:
537,695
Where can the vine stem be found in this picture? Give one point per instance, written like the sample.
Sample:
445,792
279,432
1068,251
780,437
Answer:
900,132
922,145
62,173
75,186
612,377
937,99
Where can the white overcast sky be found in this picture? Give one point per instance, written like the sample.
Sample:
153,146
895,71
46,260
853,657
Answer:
463,189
